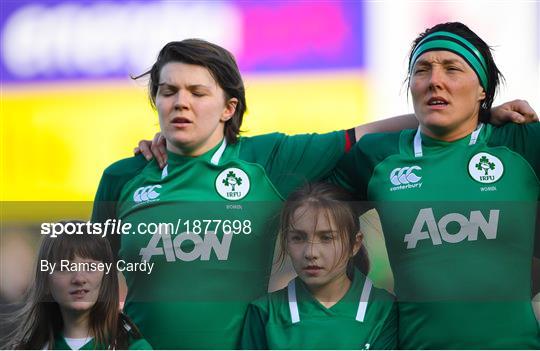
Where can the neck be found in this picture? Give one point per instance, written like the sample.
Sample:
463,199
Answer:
195,150
451,133
76,324
330,293
447,136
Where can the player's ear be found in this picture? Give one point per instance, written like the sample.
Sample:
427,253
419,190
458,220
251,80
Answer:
229,110
358,242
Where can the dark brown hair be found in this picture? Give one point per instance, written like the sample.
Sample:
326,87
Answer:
39,321
338,205
221,65
494,76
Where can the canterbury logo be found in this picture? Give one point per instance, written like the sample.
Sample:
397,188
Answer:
146,193
405,175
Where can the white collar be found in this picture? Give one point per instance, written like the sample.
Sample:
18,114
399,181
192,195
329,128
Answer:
417,143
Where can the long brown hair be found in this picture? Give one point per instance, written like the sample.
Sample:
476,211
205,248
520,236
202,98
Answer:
39,320
338,205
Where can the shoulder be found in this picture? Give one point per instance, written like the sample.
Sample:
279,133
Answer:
278,149
365,285
260,146
270,303
271,299
277,140
355,168
378,146
512,132
115,177
127,166
522,139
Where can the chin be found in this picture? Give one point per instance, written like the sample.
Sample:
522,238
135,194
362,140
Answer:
437,125
81,306
313,281
435,120
178,139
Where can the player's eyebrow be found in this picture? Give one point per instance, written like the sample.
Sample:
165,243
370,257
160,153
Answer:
424,62
191,86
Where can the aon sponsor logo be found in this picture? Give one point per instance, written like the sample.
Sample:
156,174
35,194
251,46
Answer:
437,231
200,247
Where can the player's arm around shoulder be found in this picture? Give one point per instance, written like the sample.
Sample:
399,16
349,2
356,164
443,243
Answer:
355,168
312,154
292,160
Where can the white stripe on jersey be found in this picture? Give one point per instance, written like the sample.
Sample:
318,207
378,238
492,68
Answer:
417,143
364,298
219,152
293,304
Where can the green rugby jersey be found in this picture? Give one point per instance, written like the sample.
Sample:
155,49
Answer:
459,225
291,318
224,206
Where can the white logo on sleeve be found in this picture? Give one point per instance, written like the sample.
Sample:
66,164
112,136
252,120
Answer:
405,178
146,193
485,168
232,184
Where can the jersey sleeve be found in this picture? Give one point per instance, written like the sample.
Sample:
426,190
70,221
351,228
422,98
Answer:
291,161
523,139
254,334
110,186
355,168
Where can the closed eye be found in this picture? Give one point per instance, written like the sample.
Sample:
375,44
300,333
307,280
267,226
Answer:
420,70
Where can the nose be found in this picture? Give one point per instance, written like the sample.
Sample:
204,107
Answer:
436,77
182,100
79,278
311,251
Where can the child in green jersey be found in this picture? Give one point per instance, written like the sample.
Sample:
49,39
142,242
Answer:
73,302
332,304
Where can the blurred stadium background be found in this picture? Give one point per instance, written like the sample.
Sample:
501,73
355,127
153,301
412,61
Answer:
69,107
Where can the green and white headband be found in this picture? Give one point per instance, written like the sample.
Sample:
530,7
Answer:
456,44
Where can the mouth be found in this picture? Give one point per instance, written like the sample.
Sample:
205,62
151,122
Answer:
79,293
437,102
312,270
180,121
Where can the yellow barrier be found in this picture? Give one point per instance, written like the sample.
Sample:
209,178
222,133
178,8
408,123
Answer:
57,139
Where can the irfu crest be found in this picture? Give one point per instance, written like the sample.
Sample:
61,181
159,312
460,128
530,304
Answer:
232,180
485,168
485,165
232,184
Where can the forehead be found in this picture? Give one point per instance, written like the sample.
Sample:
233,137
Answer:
185,73
310,218
439,57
